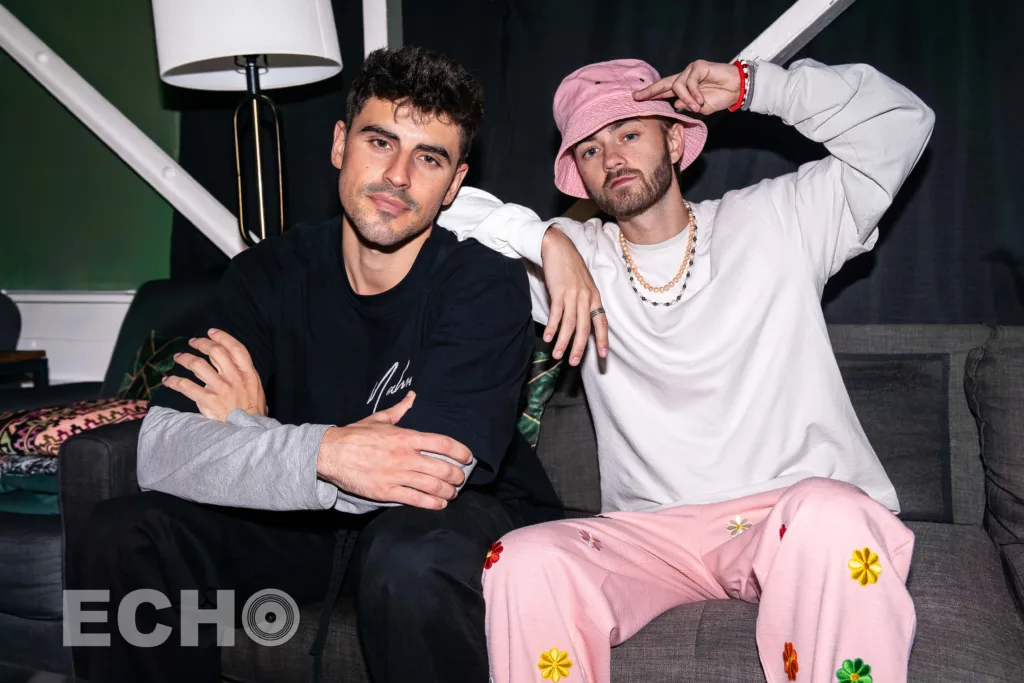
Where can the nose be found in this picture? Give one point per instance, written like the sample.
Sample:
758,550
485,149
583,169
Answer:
397,172
613,160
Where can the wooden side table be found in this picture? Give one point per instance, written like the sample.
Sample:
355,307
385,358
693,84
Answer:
14,364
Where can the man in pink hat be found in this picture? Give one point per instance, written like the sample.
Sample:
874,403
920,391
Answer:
732,462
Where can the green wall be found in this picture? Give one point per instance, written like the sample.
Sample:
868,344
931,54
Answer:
72,214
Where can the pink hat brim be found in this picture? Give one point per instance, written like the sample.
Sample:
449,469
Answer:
606,112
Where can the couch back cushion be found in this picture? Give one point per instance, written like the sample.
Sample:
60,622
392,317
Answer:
906,384
168,307
567,447
902,403
994,384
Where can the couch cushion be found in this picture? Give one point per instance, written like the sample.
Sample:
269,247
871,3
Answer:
567,447
30,565
994,382
35,645
901,402
967,625
1013,563
967,629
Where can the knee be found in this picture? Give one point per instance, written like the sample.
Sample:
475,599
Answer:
827,498
118,535
837,510
399,560
111,526
525,555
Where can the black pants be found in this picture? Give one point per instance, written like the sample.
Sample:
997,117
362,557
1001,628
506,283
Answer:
415,575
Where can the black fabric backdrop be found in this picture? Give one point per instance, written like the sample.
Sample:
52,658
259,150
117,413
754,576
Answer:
951,248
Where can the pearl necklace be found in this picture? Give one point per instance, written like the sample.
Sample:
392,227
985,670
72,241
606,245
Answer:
684,272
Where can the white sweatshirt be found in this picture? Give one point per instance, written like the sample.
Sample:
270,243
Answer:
735,390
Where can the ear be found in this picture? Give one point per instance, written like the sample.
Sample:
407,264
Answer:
455,184
338,148
675,137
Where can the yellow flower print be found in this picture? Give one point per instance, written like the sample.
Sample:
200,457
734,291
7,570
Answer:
864,566
554,665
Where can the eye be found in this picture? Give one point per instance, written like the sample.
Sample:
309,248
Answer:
430,161
589,152
629,137
380,143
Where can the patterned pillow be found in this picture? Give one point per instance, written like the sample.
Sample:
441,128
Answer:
41,432
153,360
540,387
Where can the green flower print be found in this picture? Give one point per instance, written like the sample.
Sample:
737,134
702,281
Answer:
854,672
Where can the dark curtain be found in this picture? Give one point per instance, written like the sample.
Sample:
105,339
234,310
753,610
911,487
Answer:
952,246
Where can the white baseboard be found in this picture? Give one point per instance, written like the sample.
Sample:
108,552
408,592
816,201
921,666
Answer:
77,330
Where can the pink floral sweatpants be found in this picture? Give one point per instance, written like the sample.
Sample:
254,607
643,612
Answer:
817,557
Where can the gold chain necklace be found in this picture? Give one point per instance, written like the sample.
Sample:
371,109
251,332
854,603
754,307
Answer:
684,267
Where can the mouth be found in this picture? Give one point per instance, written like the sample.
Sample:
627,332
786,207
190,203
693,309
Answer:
622,180
388,204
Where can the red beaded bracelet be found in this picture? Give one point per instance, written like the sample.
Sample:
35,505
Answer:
743,86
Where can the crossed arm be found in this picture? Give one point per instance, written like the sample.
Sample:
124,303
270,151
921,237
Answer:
372,459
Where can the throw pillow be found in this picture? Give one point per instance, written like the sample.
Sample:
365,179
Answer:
153,360
41,432
540,387
902,402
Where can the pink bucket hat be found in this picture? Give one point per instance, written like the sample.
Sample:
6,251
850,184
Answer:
597,95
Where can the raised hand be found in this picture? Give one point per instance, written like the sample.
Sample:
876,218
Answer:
229,378
702,87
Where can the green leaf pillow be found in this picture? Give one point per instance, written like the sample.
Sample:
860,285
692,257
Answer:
540,387
153,360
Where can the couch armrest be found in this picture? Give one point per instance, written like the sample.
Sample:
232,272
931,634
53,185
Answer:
91,467
94,466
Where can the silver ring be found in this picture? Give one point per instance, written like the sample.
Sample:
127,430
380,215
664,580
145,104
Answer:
596,312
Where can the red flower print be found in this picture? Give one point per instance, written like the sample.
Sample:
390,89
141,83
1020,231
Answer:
493,555
789,659
782,532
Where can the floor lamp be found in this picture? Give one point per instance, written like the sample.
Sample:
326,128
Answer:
251,46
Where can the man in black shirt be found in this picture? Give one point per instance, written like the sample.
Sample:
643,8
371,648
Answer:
306,424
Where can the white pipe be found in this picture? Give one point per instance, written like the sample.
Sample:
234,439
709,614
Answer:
154,165
382,25
793,30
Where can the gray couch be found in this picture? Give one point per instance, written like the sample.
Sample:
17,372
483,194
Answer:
944,407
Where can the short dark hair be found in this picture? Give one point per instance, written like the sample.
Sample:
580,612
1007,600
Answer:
427,81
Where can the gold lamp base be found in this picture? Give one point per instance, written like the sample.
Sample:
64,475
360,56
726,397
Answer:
258,140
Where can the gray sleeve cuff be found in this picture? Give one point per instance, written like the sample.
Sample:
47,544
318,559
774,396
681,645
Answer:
769,84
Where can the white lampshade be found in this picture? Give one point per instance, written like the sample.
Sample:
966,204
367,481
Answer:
197,42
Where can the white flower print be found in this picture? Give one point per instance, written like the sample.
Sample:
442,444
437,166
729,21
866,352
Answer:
737,525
